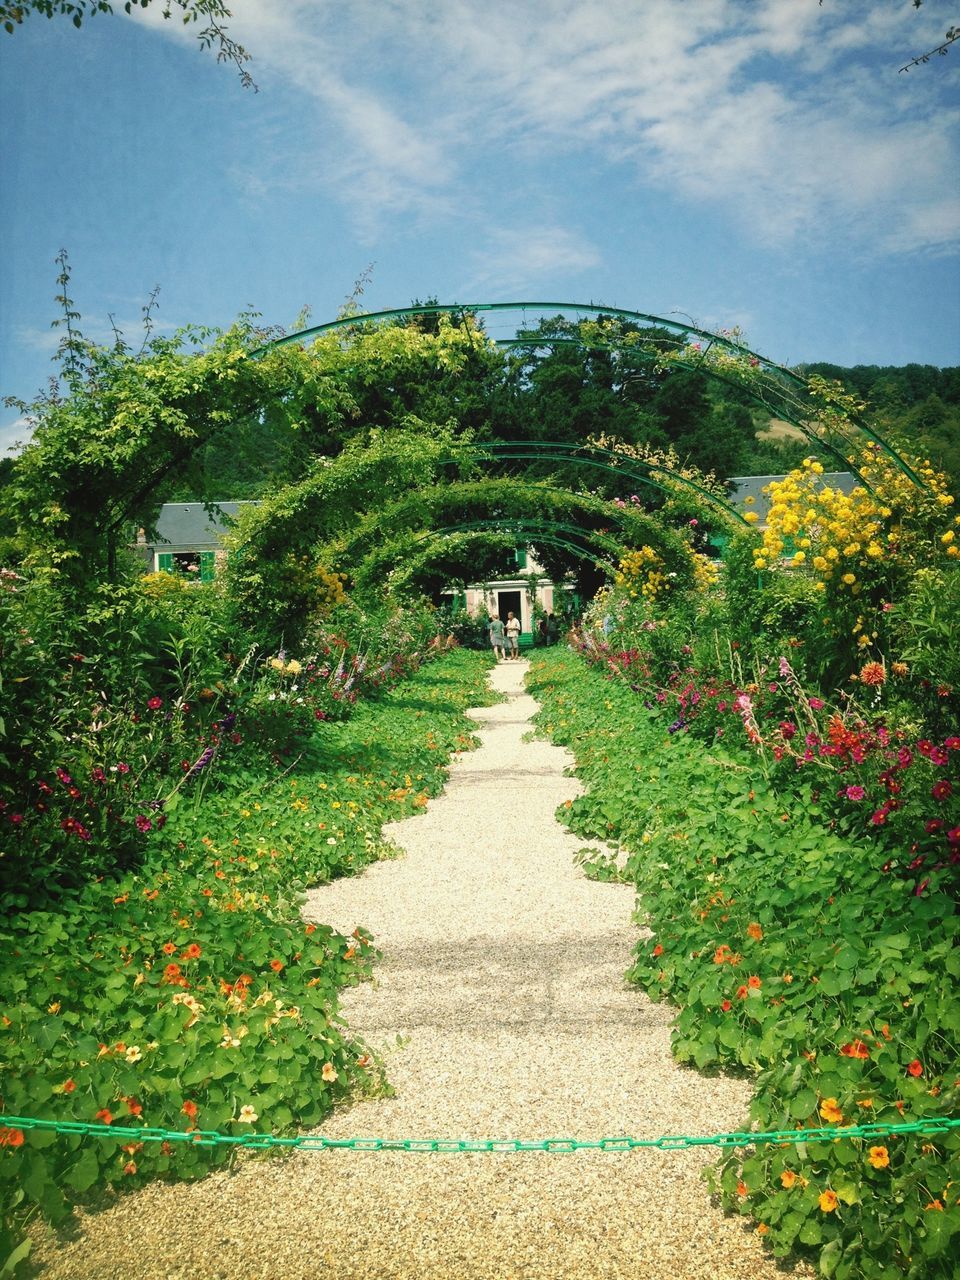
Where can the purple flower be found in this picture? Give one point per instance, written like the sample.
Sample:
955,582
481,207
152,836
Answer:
142,823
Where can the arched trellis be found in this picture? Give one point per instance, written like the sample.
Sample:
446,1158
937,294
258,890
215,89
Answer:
621,465
411,561
779,390
509,502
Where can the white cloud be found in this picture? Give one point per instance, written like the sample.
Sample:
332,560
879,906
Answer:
13,434
518,257
788,117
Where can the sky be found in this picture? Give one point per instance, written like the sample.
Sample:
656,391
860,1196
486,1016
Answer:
752,163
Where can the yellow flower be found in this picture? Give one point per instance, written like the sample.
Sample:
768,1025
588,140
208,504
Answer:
247,1115
874,550
947,537
879,1157
799,557
329,1072
827,1201
849,579
751,517
830,1111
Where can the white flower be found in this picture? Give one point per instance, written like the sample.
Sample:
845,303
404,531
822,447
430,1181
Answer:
133,1053
247,1115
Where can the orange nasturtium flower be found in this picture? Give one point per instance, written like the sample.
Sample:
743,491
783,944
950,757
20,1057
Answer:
276,965
879,1157
169,948
742,992
754,931
189,1109
754,982
915,1067
830,1111
856,1049
828,1201
192,952
788,1178
104,1116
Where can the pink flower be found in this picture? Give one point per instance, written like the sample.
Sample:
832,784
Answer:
905,758
855,792
142,823
952,744
938,756
816,703
122,768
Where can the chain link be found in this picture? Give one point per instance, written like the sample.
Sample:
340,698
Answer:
452,1146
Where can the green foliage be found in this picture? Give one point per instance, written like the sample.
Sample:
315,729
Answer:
181,993
790,955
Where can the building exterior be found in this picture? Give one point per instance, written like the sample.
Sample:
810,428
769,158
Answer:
189,538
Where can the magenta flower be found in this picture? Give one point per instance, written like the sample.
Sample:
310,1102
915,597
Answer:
855,792
142,823
933,825
941,790
879,817
816,703
905,758
122,768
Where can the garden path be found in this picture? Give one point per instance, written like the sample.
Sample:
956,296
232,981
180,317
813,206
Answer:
503,972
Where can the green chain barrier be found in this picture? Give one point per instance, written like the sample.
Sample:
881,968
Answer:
447,1146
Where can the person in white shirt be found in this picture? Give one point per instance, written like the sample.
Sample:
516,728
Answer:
512,629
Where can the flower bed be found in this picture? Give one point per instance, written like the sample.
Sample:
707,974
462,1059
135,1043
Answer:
791,954
190,993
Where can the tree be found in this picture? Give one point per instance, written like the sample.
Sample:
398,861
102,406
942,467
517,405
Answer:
212,12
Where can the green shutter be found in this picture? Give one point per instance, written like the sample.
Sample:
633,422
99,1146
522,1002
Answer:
208,566
521,558
165,562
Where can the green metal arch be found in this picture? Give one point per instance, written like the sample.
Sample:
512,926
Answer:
538,531
708,342
670,545
541,450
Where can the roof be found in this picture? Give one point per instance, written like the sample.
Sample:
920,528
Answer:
194,526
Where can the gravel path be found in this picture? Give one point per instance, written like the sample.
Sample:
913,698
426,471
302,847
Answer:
503,971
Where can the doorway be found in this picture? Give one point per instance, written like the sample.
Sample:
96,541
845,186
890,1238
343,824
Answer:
510,601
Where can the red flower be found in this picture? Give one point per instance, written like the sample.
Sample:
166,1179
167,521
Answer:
915,1068
726,1006
189,1109
658,950
104,1116
11,1137
941,790
68,1086
154,703
856,1049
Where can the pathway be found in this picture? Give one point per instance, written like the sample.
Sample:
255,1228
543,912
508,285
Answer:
503,972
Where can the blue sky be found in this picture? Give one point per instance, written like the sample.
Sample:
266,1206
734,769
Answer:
740,162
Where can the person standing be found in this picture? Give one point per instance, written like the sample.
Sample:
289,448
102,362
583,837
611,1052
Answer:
497,636
513,636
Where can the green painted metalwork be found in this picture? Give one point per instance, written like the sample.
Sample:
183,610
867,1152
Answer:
541,450
791,411
538,531
448,1146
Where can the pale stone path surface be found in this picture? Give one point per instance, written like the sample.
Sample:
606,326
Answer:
503,970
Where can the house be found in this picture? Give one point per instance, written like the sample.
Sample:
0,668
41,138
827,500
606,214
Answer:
189,538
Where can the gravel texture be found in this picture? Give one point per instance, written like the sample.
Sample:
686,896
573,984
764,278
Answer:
503,973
